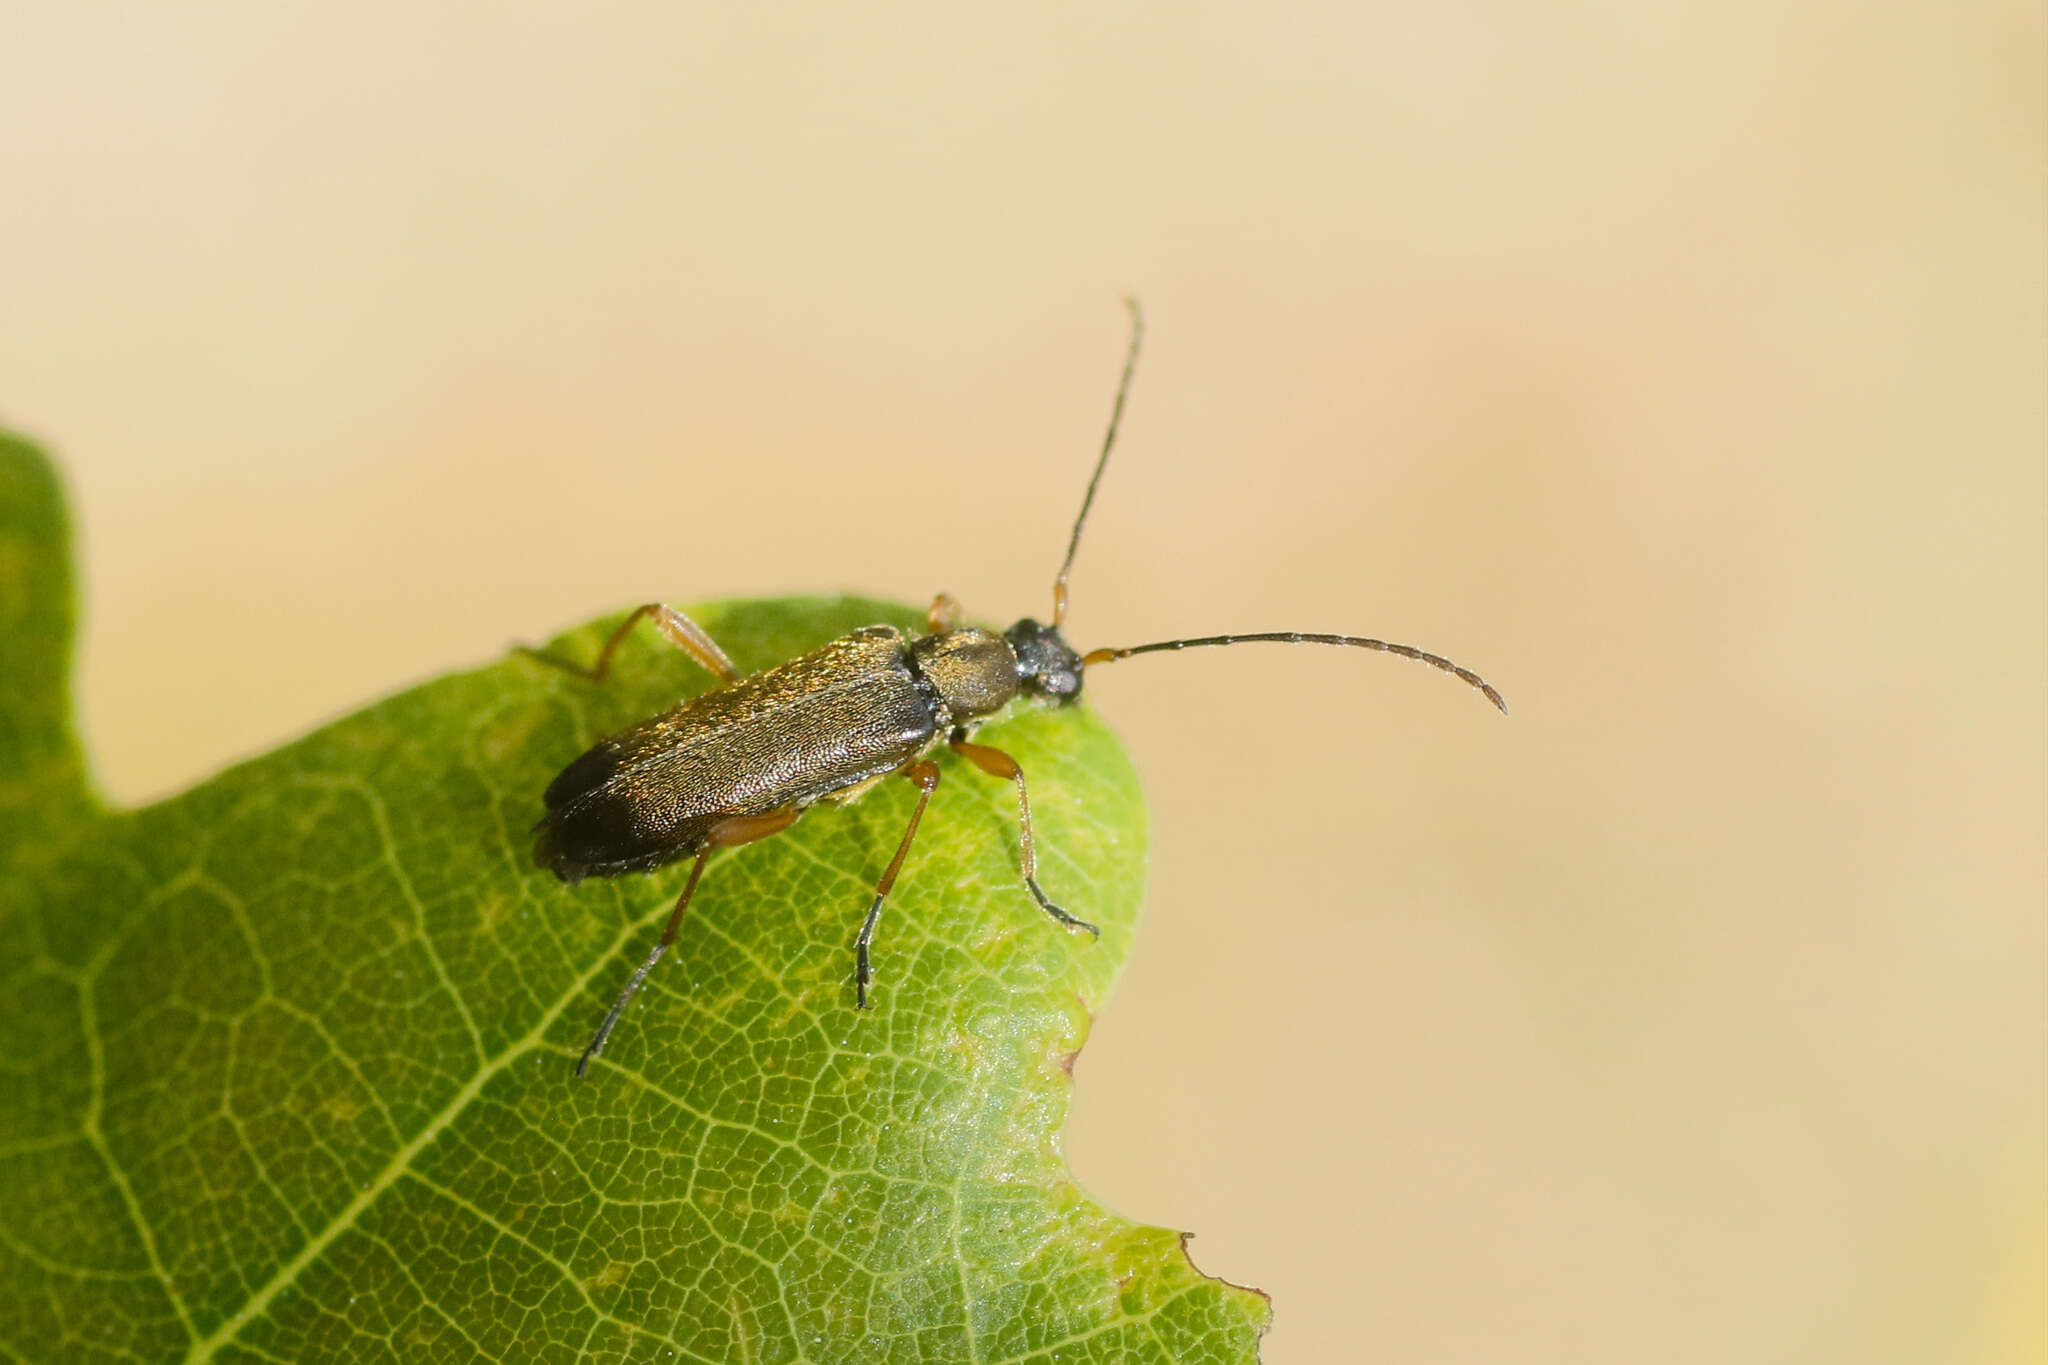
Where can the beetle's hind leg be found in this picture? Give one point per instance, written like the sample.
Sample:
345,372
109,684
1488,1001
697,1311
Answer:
681,631
668,936
925,774
996,763
730,833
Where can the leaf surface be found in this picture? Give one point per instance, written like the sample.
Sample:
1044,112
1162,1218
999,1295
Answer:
285,1060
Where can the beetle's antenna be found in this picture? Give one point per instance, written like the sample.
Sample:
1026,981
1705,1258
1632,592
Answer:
1295,637
1116,415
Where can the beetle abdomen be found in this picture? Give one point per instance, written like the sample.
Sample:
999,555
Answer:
600,822
793,735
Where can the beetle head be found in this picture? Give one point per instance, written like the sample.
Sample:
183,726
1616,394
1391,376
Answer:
1047,667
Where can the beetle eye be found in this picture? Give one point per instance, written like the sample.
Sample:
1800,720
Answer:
1045,665
1058,684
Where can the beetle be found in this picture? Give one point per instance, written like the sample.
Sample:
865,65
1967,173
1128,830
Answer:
742,762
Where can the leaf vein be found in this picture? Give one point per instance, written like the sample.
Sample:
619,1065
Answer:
582,1291
399,1164
96,1052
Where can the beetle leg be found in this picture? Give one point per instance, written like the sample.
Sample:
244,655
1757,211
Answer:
611,1016
944,614
996,763
681,631
740,829
925,774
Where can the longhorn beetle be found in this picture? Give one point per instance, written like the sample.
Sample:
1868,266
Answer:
742,762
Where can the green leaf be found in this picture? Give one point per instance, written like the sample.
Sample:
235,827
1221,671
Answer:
285,1061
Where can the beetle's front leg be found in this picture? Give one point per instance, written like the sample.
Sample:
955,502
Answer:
680,630
944,614
996,763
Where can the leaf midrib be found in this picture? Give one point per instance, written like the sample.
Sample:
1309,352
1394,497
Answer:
401,1161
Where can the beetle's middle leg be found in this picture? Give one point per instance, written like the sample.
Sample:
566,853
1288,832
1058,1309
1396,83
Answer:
925,774
681,631
996,763
728,833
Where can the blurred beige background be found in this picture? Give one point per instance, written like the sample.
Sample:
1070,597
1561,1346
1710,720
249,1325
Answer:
1678,365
